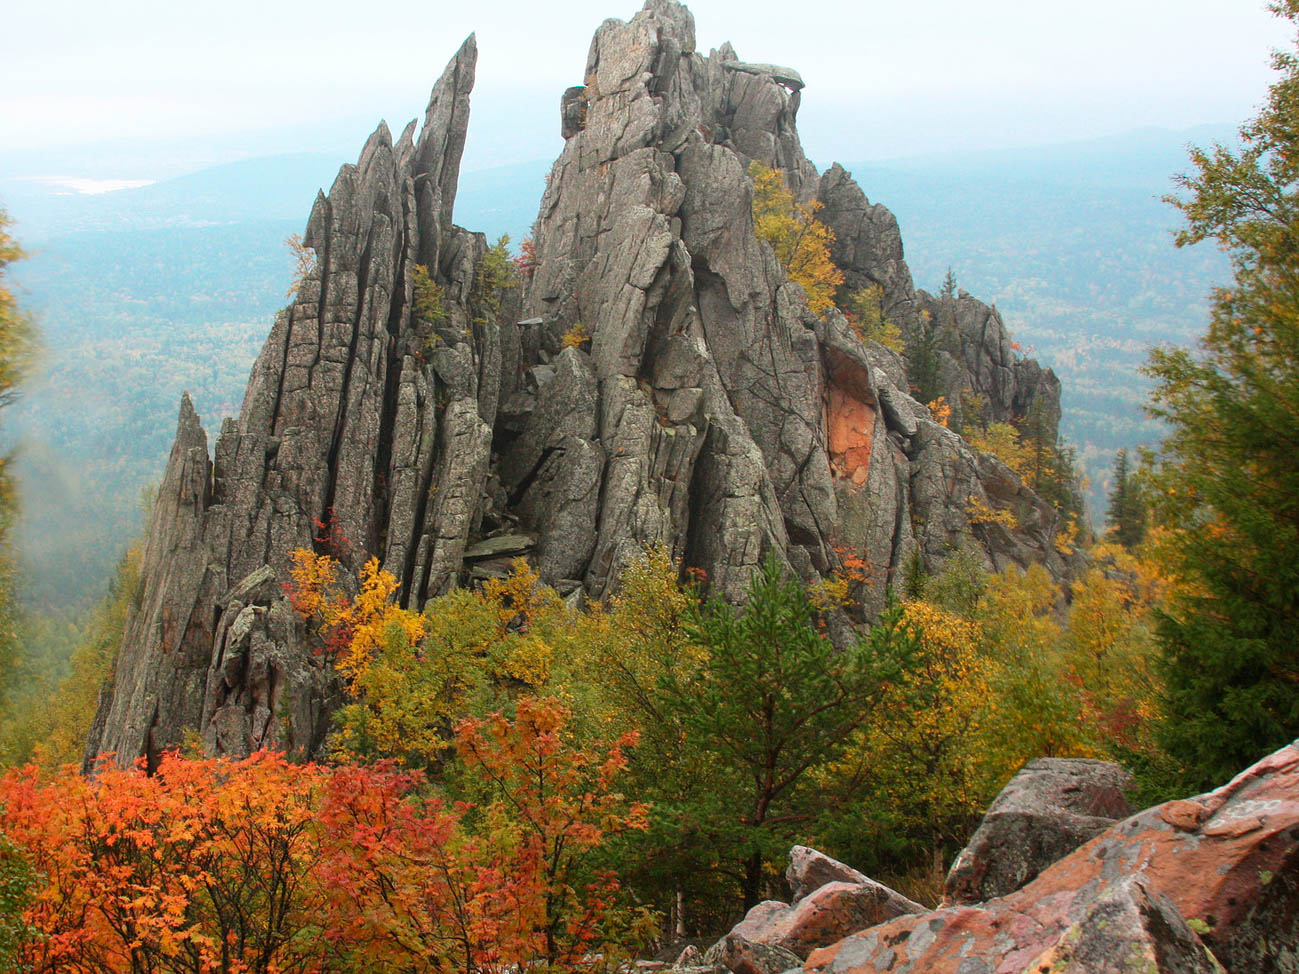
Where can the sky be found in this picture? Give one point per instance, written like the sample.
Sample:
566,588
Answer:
144,89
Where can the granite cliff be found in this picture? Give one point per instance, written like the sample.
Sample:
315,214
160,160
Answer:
710,409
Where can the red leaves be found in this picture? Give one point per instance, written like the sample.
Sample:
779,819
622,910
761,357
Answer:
554,805
526,259
265,866
202,861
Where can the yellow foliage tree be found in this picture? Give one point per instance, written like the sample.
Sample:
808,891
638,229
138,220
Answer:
1038,701
304,262
800,240
1112,653
356,629
864,310
923,757
1003,442
412,675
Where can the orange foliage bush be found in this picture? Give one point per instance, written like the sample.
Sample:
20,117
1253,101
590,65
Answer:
265,867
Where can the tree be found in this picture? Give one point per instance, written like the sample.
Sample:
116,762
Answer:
923,364
800,240
771,700
17,344
17,886
203,866
948,290
921,765
1126,516
1227,486
551,803
416,883
864,310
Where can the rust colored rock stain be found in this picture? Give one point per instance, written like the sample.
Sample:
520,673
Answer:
850,427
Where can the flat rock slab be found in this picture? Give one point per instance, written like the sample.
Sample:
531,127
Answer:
786,76
505,544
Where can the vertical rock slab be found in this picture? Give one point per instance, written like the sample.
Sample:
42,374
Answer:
158,685
364,432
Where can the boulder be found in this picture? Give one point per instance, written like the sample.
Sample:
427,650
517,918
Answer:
765,923
1051,807
835,910
809,870
1126,928
741,956
1185,886
834,907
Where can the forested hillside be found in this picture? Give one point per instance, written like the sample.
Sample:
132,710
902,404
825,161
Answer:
1073,243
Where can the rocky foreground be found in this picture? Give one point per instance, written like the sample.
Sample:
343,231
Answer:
1053,882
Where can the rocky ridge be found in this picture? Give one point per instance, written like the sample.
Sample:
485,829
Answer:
655,379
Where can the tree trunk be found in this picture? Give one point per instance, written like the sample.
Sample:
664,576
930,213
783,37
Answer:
752,881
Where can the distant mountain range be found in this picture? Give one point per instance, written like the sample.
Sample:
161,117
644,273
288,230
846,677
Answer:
143,293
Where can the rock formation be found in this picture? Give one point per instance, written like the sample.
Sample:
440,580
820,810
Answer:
1197,885
711,411
1051,807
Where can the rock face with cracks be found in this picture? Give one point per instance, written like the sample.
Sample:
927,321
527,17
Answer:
653,378
1051,807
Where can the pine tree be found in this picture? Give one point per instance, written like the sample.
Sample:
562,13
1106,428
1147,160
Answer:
1228,483
1126,516
923,367
771,702
948,289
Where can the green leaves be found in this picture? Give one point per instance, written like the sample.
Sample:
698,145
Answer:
772,700
1226,489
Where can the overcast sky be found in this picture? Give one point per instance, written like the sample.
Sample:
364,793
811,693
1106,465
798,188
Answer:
884,79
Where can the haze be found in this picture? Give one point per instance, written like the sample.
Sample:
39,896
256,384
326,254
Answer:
144,89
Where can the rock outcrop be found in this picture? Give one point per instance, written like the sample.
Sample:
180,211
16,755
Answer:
1199,884
1051,807
656,380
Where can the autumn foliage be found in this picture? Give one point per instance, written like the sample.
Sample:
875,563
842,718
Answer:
801,241
204,866
263,866
519,784
353,629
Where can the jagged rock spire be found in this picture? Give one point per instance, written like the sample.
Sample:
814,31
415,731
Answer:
712,412
362,433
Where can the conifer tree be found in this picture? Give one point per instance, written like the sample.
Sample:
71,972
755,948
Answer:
1228,484
1126,515
771,701
948,289
923,364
